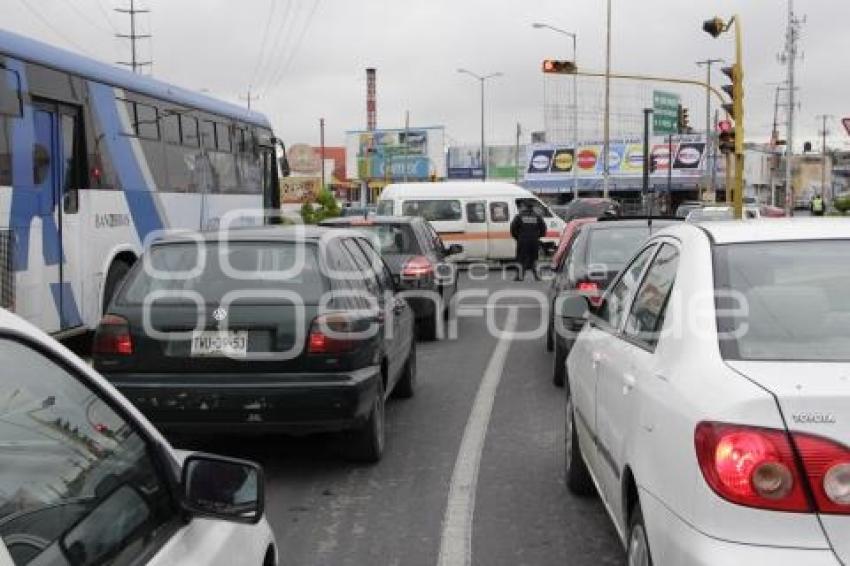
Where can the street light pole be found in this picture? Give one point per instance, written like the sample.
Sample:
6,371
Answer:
607,149
574,38
481,80
708,129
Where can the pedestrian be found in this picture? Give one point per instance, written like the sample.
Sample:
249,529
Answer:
527,228
817,205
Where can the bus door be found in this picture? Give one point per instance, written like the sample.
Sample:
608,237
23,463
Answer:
58,168
475,244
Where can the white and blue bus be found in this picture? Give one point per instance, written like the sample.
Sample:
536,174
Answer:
95,159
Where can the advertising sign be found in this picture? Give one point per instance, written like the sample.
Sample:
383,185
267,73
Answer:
415,153
549,162
298,190
588,158
464,162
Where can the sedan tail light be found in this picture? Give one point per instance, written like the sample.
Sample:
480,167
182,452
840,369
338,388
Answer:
758,467
416,267
335,333
827,465
750,466
113,337
591,290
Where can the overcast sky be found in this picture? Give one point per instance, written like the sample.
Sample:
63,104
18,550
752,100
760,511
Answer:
306,58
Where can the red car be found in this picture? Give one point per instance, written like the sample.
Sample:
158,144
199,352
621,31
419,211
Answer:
567,238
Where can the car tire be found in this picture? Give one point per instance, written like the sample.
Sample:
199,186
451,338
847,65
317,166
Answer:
577,477
638,552
559,368
367,442
117,272
406,386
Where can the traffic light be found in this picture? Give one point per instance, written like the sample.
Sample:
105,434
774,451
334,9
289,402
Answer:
683,121
714,27
734,109
556,67
726,137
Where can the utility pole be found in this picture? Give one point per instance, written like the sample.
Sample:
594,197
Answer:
322,149
606,171
481,79
790,58
516,153
824,132
774,137
249,97
134,63
647,113
708,129
406,143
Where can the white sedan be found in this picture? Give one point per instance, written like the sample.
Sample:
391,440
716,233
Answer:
85,479
708,398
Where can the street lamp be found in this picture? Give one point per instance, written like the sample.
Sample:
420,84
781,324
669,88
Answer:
571,35
481,79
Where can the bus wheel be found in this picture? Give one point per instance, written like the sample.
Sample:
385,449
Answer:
117,272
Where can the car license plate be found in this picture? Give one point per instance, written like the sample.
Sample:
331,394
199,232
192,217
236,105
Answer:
232,344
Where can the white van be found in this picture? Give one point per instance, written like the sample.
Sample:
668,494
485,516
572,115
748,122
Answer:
476,215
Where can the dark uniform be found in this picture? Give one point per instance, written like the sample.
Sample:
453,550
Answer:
527,229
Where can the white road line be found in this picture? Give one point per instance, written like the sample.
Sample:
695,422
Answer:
456,539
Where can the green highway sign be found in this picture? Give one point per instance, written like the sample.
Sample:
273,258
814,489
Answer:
665,117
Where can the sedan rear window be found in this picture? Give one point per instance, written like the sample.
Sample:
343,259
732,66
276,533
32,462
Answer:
614,247
235,266
785,301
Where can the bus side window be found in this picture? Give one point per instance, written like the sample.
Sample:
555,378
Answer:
499,212
74,160
5,151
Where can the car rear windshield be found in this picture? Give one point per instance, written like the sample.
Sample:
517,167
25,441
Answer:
391,238
227,267
784,300
612,247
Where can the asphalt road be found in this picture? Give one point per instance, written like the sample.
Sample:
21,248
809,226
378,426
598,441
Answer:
473,471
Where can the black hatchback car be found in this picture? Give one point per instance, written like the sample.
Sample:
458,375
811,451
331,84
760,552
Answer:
261,330
598,253
416,257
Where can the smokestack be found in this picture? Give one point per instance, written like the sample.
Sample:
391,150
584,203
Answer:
371,103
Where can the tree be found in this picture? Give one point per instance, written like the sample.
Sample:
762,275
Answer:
325,207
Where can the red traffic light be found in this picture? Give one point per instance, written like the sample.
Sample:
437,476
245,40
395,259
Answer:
555,66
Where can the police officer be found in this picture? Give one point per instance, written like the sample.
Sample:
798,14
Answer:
527,229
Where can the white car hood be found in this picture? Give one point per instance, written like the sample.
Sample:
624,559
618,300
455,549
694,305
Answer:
814,398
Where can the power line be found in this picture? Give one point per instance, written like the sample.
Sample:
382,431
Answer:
105,14
85,17
262,52
267,68
285,66
50,26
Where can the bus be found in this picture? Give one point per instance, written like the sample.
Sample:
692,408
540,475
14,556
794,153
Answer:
95,160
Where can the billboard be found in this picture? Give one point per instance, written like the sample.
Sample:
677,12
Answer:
550,162
464,162
298,190
414,153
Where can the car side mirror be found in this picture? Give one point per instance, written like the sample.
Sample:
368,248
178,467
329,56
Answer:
223,488
573,306
454,249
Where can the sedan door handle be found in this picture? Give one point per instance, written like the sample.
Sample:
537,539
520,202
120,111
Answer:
597,358
629,382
